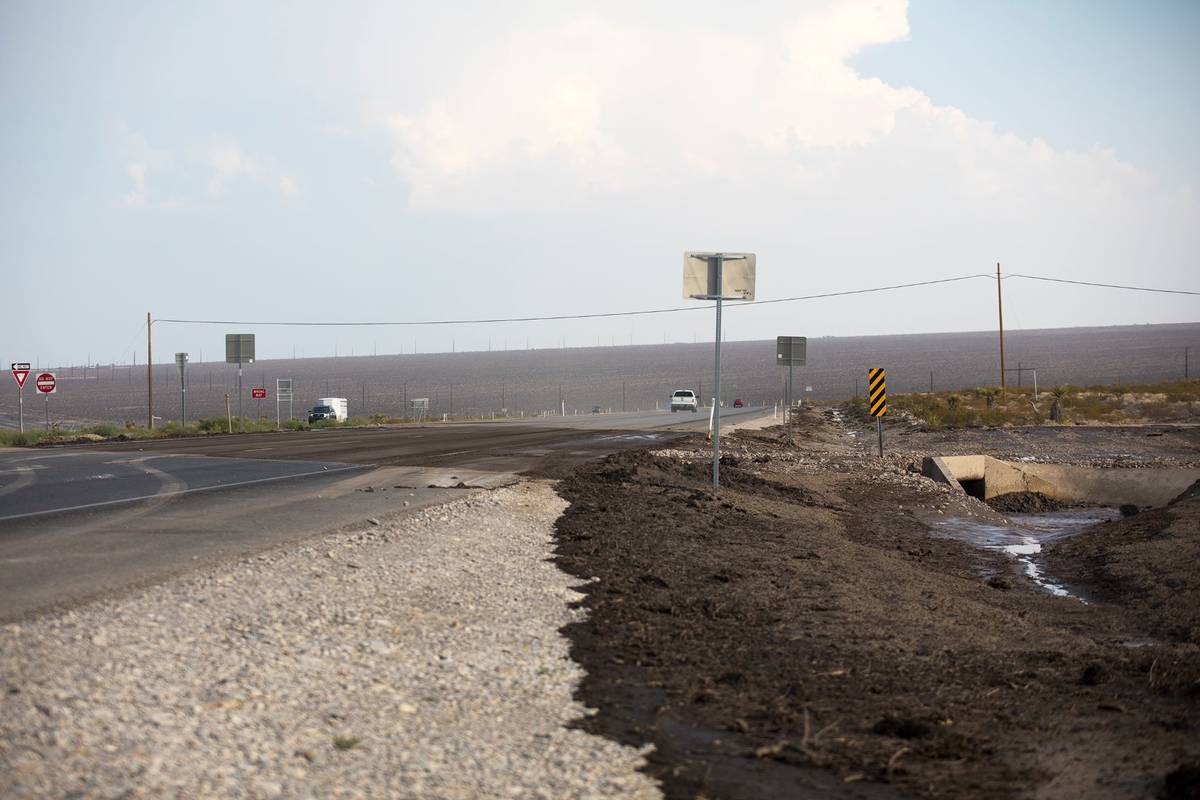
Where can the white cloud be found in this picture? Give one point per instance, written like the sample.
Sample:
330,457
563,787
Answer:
336,131
576,111
137,173
227,161
288,187
140,161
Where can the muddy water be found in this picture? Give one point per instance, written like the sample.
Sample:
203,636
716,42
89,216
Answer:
1024,536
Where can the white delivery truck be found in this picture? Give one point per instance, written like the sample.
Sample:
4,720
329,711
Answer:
329,408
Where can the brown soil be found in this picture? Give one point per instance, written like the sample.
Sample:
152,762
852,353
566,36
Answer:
1147,564
802,634
1026,503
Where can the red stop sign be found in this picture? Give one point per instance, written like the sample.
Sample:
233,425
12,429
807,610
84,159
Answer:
45,383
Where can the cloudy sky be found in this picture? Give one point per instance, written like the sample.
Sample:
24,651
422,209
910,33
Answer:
405,161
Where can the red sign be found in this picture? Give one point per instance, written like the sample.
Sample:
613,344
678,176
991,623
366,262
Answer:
46,384
258,393
20,371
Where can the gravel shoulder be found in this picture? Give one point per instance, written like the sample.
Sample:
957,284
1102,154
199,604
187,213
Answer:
419,658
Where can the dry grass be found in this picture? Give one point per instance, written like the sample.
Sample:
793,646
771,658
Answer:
1175,401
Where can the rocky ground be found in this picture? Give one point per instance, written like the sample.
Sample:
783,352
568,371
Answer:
413,659
803,633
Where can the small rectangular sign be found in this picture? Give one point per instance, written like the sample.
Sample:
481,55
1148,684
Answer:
258,393
877,392
791,351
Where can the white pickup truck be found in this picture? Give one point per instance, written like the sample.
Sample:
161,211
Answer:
684,400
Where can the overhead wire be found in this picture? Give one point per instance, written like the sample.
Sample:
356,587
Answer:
652,311
557,317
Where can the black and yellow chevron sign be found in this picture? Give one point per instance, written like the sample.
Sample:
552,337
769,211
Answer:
877,391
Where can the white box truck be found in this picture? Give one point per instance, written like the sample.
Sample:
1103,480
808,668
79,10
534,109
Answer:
329,408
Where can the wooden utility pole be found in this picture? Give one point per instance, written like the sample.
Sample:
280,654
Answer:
1000,308
149,375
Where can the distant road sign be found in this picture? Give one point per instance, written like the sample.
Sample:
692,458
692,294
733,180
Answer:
791,351
258,393
239,348
877,391
20,371
46,384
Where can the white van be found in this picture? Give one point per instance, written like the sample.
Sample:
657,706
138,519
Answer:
684,400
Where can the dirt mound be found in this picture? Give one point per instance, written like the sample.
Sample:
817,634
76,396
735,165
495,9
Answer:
1145,562
1025,503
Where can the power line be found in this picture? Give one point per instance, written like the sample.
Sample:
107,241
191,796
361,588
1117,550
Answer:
1102,285
555,317
674,310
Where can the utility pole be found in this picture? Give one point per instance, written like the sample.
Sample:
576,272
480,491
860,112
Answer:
149,375
1000,309
931,381
1185,363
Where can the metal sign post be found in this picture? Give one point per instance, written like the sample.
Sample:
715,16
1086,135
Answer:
877,399
46,385
181,360
791,351
239,349
283,391
20,371
719,277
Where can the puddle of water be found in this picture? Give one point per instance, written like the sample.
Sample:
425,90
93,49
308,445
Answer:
1024,536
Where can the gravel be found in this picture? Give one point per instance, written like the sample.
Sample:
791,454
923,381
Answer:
418,658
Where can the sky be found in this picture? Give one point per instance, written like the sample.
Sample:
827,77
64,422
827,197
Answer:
308,161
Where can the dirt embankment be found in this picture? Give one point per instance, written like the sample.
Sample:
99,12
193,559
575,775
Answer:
801,634
1145,563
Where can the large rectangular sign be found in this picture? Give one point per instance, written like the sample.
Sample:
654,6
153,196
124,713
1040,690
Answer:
791,351
239,348
700,276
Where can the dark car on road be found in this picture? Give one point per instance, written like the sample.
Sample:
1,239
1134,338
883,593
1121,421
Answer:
739,403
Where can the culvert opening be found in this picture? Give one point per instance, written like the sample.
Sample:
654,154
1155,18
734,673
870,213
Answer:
976,488
1045,502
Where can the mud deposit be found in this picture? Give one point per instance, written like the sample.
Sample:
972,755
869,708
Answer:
804,634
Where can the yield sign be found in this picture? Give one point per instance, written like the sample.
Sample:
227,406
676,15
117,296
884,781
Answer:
20,371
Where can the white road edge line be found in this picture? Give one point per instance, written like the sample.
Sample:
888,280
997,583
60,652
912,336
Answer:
102,503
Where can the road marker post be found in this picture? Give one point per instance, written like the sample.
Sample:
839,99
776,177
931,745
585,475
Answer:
877,402
20,371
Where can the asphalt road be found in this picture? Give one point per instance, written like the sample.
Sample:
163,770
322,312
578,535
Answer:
77,523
